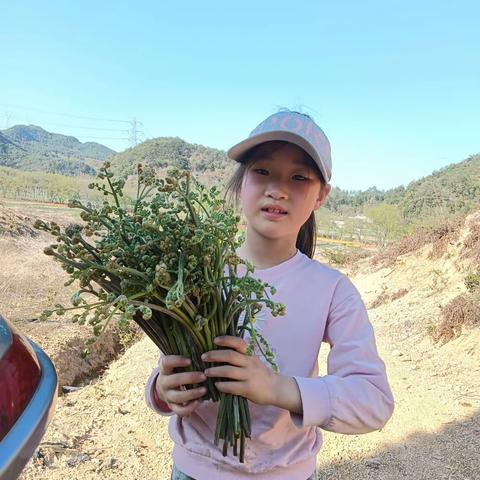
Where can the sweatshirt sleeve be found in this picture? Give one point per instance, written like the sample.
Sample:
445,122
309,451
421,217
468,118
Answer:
354,397
151,398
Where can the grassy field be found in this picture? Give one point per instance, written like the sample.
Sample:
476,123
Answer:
41,209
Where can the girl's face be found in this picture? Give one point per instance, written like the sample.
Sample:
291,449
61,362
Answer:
281,180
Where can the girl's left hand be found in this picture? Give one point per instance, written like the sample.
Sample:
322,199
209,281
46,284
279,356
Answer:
254,380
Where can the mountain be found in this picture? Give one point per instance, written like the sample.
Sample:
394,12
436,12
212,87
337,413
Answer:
454,188
451,189
162,152
29,147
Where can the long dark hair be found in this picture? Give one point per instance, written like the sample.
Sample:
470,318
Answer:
307,235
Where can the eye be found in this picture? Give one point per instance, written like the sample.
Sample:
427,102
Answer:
261,171
300,177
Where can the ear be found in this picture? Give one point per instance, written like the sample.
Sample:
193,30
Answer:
322,196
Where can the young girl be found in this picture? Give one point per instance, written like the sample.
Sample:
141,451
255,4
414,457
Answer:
282,178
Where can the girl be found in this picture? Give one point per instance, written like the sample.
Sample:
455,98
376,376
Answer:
282,178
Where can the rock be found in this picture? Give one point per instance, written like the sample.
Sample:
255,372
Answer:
397,353
68,388
77,458
373,463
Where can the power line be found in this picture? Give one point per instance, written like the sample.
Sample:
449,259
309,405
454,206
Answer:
85,128
134,133
20,119
104,138
65,114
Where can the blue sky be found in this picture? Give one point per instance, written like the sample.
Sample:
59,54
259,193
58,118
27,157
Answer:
395,85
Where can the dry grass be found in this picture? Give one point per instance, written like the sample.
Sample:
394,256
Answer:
444,234
380,300
462,311
439,236
471,243
29,280
399,294
15,225
385,297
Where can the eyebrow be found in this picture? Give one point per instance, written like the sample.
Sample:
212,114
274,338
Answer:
301,162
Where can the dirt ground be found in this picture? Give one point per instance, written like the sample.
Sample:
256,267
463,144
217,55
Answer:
105,430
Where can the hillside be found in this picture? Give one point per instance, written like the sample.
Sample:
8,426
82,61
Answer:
29,147
163,152
454,188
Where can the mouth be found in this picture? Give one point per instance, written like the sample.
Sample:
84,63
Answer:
274,210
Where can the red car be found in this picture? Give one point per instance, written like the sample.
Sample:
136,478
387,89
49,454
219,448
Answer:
28,394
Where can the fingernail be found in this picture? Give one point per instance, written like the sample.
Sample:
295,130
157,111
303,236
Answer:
206,371
202,376
216,339
204,356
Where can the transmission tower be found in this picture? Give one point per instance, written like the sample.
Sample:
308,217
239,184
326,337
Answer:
8,117
135,133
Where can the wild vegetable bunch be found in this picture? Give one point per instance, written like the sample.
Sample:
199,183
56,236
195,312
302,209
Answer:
167,261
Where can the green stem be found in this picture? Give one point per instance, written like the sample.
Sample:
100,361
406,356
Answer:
114,193
86,307
179,317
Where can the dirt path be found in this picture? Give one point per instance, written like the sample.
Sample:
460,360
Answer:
104,430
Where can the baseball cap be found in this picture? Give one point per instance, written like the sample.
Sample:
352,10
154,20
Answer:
293,127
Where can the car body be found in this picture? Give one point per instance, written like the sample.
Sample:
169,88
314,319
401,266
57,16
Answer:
28,394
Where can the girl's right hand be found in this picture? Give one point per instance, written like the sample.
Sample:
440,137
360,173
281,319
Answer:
171,386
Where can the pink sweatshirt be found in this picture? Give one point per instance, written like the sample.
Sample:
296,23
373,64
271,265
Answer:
354,397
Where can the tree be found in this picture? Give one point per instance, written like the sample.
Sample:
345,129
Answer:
387,220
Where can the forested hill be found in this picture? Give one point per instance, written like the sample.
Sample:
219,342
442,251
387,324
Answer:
29,147
162,152
454,188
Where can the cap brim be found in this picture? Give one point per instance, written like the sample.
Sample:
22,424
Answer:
238,151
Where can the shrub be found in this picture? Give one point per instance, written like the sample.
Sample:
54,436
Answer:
439,234
381,299
471,243
463,310
472,282
335,256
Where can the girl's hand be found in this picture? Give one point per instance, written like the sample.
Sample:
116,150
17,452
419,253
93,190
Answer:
171,386
254,380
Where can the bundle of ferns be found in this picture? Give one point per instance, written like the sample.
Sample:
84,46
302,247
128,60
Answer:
167,261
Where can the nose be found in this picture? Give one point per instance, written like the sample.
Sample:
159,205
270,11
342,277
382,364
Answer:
276,189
